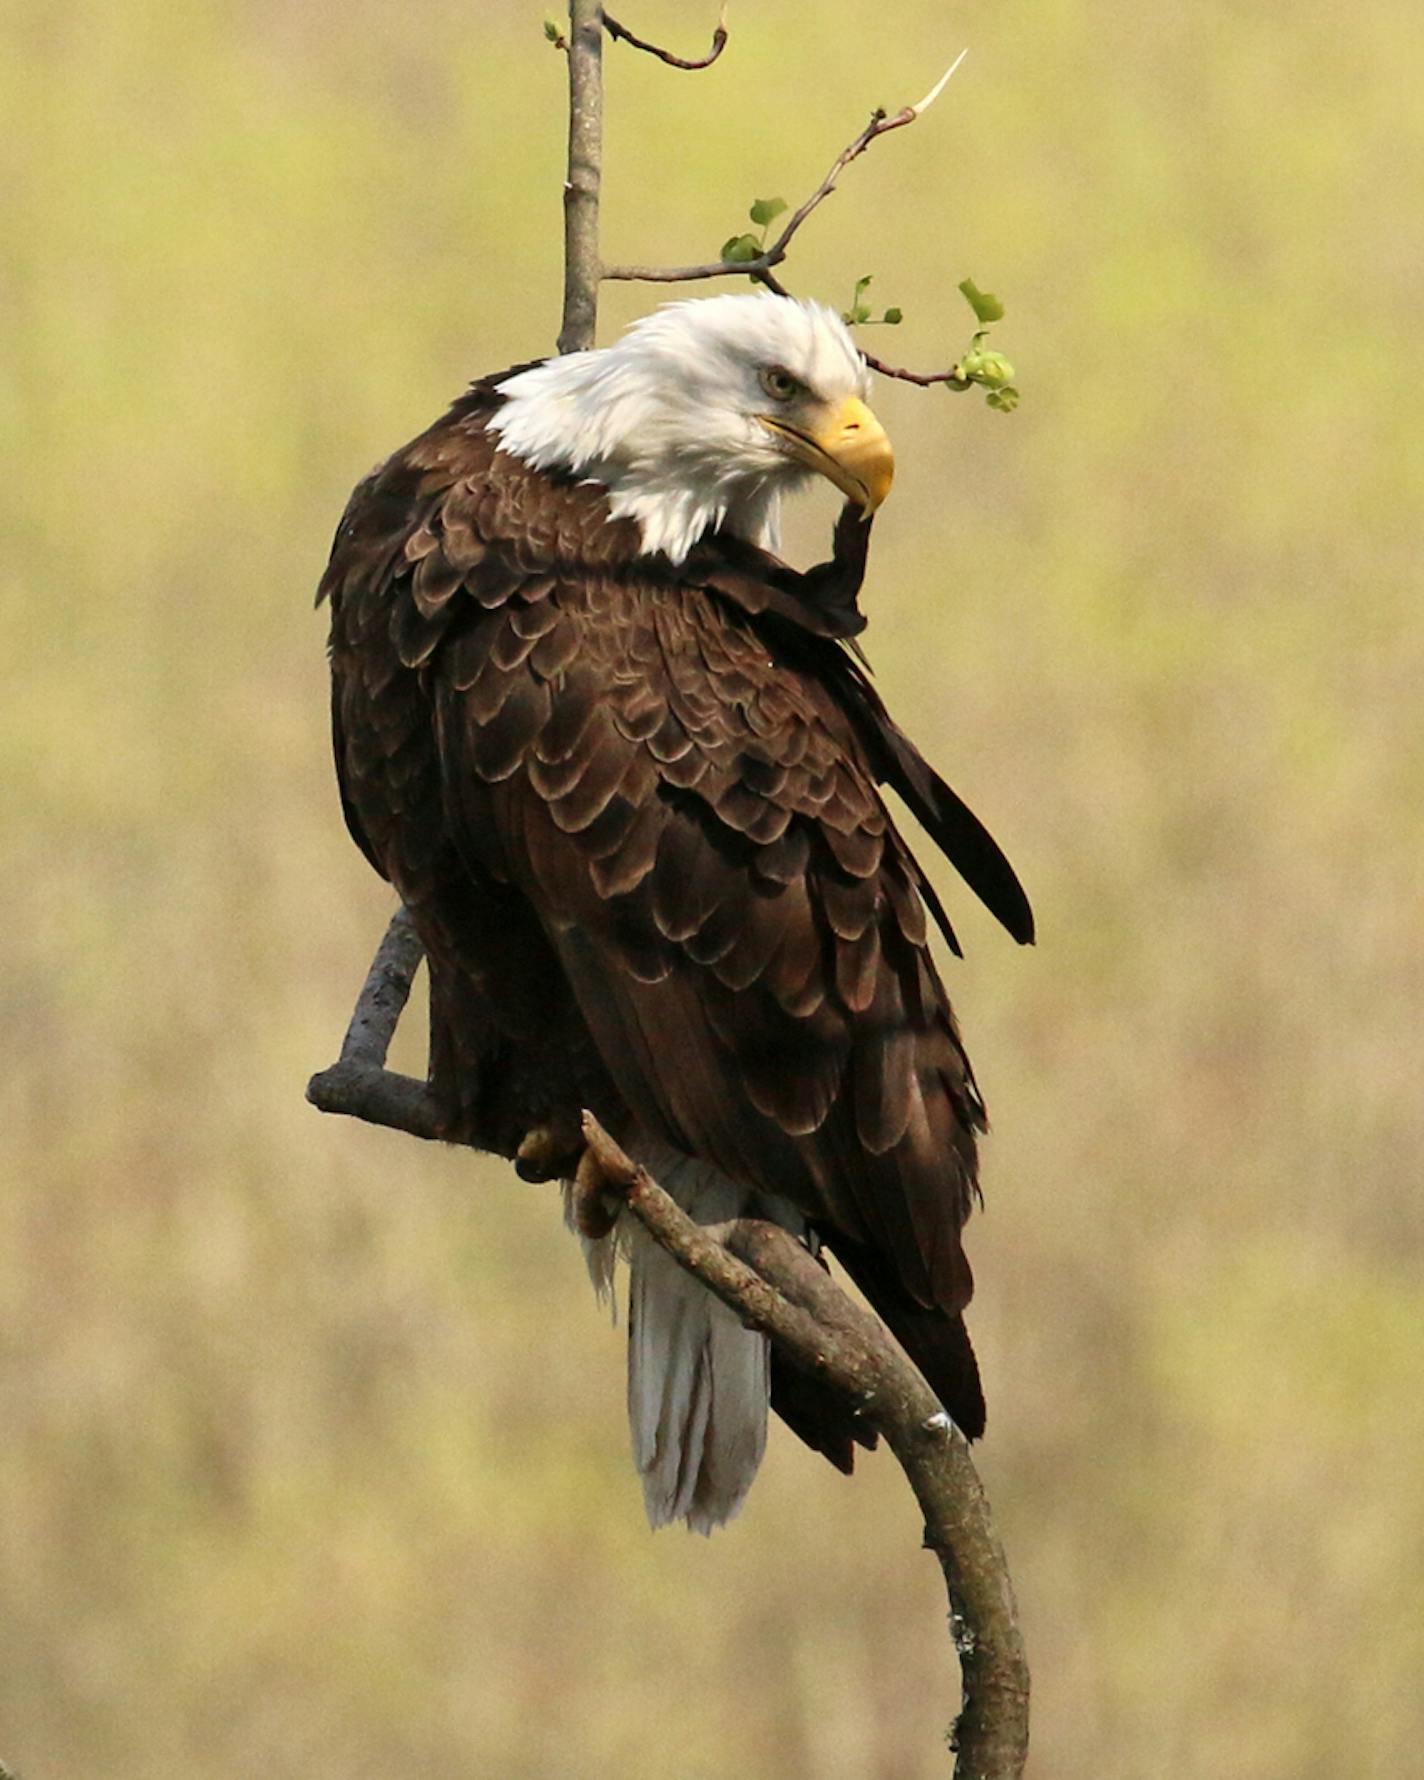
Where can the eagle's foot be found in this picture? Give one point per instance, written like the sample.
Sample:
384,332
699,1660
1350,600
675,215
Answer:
550,1151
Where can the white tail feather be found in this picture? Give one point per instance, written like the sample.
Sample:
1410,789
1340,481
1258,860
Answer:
698,1386
699,1383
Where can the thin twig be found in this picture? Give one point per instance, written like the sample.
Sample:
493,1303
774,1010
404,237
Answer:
880,124
773,284
923,378
621,33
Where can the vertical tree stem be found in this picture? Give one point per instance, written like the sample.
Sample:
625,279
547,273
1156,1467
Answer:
582,267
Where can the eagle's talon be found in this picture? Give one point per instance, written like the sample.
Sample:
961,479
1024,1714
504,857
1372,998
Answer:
548,1153
593,1210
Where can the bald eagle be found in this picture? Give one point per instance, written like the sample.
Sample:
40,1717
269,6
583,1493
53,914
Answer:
621,766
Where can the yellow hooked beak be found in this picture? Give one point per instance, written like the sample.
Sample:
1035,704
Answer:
848,446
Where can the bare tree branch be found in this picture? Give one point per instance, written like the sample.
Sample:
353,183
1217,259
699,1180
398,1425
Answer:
621,33
880,124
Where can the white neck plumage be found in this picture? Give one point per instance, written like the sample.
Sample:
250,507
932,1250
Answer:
606,417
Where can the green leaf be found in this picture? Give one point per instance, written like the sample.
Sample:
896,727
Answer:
766,210
1005,400
894,317
991,369
741,248
858,312
984,304
552,31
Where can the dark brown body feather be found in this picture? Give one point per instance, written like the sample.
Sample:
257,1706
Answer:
634,812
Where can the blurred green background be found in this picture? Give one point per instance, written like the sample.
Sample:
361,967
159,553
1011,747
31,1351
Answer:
312,1451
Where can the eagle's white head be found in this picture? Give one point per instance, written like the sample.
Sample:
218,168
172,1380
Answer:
705,414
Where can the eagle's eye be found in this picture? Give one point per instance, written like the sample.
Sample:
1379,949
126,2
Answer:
779,385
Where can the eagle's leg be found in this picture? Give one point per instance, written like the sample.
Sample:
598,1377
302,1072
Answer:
511,1064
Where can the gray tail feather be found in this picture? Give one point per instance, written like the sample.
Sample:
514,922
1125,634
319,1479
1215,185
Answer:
699,1383
698,1389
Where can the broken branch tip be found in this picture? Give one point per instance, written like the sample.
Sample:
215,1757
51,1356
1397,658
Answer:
939,86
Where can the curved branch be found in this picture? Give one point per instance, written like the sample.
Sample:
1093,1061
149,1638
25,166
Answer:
773,1284
621,34
991,1732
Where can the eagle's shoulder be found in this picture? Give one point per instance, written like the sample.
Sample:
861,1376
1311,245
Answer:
452,499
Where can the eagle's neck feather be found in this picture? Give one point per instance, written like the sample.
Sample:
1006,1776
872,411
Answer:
606,417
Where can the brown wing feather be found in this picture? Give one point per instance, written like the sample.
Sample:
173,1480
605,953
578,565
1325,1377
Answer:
788,1019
